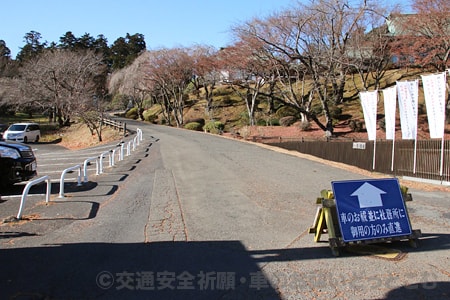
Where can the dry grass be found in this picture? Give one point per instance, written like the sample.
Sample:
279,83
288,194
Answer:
78,136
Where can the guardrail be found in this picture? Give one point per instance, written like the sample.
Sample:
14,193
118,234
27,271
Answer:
27,189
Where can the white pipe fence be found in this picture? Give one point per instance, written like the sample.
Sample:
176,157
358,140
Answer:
27,189
122,144
139,134
119,154
63,175
100,161
99,170
85,164
129,148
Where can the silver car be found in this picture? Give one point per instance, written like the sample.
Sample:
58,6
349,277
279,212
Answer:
23,132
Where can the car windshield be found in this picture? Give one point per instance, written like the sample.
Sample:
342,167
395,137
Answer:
17,127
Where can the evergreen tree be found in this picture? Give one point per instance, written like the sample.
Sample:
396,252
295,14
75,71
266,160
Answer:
125,50
68,41
32,47
5,58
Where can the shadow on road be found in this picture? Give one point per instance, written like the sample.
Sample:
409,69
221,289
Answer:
159,270
14,234
427,243
69,187
422,290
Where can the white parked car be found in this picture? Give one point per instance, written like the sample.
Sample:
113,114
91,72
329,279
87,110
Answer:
23,132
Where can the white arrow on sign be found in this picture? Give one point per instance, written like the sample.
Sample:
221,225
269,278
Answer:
368,195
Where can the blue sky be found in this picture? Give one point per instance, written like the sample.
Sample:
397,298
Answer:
164,23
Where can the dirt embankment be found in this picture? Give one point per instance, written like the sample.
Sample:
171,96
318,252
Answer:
78,136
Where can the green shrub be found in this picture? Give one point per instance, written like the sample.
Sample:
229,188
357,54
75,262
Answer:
193,126
274,122
269,122
151,118
335,112
286,111
356,125
132,113
261,122
201,121
317,110
222,91
214,127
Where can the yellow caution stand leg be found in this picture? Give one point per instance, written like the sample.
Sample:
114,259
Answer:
324,221
332,226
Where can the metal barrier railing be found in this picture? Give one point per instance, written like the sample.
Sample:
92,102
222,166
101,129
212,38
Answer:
100,160
85,164
27,189
63,175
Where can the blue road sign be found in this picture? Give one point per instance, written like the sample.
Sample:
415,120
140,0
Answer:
370,209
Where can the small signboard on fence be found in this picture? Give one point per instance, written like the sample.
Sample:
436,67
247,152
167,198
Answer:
359,145
370,209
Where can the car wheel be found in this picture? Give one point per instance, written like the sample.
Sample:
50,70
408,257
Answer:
37,139
25,139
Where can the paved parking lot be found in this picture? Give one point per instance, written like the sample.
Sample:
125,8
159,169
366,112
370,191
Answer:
52,160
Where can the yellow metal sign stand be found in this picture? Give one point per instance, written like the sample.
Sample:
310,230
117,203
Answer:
326,221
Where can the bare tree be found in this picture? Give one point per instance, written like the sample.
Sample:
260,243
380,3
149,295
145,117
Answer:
284,75
254,68
423,38
130,81
206,72
9,93
369,48
66,81
169,72
313,38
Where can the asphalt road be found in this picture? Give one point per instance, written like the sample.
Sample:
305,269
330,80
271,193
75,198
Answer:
196,216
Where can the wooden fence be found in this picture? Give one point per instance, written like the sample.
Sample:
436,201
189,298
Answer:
120,126
400,158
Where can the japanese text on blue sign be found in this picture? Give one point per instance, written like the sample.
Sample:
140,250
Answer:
370,209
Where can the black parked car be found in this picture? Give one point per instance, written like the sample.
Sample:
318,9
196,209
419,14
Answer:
17,163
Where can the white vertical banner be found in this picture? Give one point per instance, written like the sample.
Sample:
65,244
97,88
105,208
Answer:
408,101
434,88
434,91
390,105
369,101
